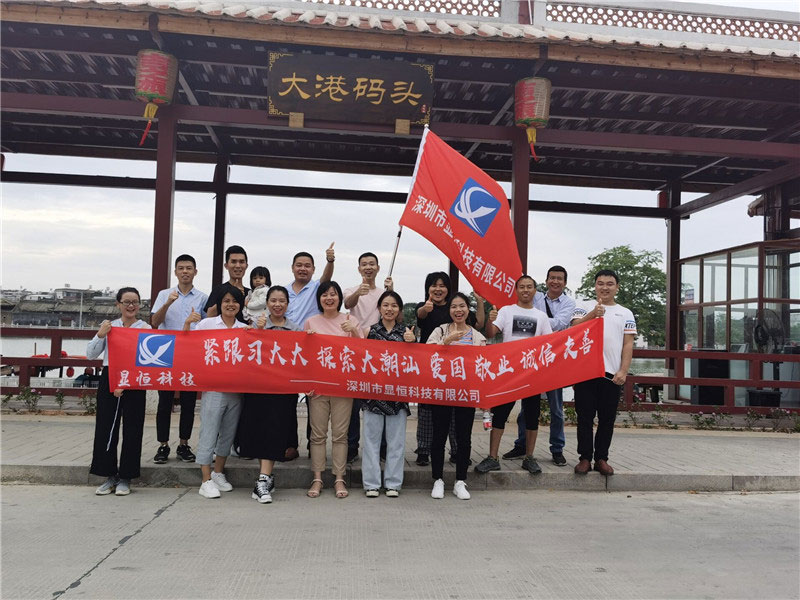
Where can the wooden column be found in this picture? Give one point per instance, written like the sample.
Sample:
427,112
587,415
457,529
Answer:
221,173
673,200
520,185
453,272
165,197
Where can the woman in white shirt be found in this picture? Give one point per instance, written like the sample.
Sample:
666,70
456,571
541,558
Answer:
219,411
125,406
457,333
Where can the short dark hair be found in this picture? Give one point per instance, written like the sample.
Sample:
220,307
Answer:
125,290
185,258
300,254
557,269
397,298
516,284
368,255
260,271
461,295
606,273
227,288
278,288
234,250
432,278
324,287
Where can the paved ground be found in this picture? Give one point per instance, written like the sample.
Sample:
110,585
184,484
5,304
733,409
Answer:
64,542
57,449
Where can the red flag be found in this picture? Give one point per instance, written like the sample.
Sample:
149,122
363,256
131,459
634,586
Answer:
465,214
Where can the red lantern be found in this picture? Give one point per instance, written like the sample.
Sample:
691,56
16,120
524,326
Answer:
156,74
70,371
532,106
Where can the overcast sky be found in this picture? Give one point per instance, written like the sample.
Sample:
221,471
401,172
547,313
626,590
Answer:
56,235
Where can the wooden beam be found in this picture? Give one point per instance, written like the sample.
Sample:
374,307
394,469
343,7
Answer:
682,60
278,32
615,210
753,185
80,17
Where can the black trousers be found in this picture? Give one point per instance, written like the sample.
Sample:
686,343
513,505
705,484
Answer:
599,397
164,414
129,410
464,418
530,405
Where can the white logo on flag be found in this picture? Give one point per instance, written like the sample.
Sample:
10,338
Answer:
147,357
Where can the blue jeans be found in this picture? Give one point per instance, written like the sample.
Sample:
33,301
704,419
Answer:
557,439
395,450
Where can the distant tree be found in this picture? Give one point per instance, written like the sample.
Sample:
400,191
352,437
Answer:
642,287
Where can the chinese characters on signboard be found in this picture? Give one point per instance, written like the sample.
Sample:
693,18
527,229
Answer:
349,89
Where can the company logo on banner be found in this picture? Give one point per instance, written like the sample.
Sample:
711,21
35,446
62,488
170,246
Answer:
465,214
155,350
475,207
236,360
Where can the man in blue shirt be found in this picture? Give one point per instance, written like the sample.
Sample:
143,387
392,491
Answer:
170,310
303,290
302,305
559,308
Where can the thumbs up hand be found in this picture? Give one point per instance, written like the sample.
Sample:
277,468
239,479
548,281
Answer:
330,255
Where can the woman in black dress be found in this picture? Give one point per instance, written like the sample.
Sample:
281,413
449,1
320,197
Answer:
266,422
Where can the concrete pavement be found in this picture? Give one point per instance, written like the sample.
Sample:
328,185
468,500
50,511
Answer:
57,449
63,542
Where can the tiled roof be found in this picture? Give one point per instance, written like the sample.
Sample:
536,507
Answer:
330,16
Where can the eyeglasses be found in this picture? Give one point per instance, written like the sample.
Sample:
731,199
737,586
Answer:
130,303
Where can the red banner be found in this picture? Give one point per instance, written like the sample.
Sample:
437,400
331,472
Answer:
254,360
465,214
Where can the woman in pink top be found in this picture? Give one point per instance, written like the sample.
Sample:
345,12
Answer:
325,409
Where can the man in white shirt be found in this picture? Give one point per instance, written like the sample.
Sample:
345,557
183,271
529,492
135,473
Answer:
170,310
516,322
600,396
362,302
559,308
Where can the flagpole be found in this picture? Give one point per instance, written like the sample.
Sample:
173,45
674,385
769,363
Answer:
410,187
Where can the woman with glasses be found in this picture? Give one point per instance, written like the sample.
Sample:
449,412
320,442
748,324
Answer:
115,406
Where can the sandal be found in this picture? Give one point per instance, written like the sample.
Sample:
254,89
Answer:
313,491
341,492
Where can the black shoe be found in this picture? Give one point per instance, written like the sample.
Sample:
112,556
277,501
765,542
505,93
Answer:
531,466
184,453
558,459
352,454
423,460
161,455
515,452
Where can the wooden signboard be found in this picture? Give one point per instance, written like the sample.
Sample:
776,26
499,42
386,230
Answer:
337,88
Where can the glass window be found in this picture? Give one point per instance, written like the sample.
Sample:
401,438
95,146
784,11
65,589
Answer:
689,328
690,282
715,278
782,274
744,274
715,322
743,322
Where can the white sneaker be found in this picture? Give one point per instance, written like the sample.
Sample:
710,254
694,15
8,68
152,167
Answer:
221,482
460,490
438,489
209,490
109,485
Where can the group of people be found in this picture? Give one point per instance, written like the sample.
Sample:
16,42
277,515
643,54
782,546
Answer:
264,425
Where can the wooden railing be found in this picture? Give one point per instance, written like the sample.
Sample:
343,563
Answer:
755,360
29,365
